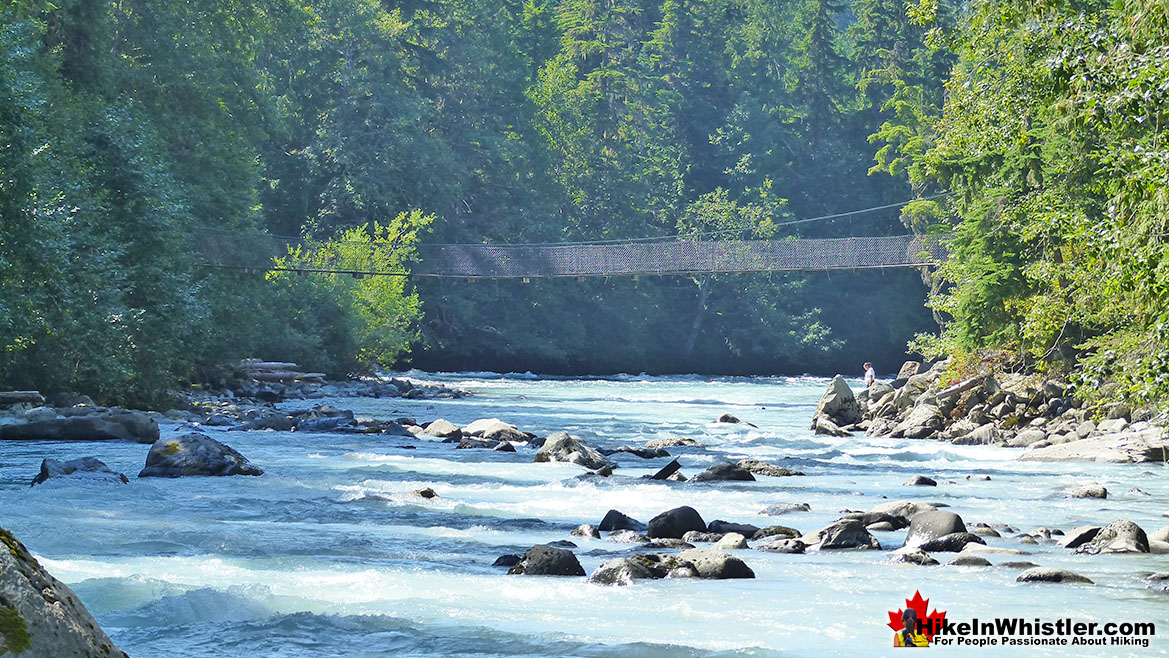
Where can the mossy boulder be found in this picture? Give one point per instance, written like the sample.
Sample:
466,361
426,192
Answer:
39,615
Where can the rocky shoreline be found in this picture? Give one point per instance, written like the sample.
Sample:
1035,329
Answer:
1008,410
678,542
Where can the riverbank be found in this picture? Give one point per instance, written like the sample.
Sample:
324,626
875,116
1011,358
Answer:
335,541
1000,409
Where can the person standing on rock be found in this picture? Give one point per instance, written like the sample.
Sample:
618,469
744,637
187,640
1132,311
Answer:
870,374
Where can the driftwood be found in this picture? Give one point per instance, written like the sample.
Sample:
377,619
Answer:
19,397
961,387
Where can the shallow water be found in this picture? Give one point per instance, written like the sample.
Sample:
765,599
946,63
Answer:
330,554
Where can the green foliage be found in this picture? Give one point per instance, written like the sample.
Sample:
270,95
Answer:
129,129
1050,139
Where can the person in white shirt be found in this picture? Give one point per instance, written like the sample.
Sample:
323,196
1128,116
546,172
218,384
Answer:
870,374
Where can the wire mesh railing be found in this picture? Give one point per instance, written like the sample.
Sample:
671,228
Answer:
678,256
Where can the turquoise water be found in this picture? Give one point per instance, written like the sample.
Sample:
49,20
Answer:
330,554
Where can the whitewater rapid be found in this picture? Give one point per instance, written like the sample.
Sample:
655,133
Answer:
329,553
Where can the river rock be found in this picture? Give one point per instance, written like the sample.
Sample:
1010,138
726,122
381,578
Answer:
920,481
560,447
823,425
1160,534
911,556
676,523
1079,536
1027,438
841,534
644,453
969,561
1117,537
986,434
627,537
731,541
723,472
951,543
723,527
922,423
776,545
615,520
838,404
90,467
1150,445
697,537
1091,490
785,508
717,565
542,560
780,531
586,530
195,454
626,570
763,468
37,414
1046,575
507,560
932,525
672,442
443,429
114,425
39,615
906,509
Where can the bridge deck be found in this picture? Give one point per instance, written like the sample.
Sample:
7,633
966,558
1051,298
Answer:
609,259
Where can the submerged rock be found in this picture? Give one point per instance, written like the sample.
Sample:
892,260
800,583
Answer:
39,615
84,466
1091,490
1046,575
672,442
195,454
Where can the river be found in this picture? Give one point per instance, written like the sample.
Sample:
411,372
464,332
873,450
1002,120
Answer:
329,553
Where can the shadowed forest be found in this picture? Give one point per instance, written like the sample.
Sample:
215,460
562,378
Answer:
128,129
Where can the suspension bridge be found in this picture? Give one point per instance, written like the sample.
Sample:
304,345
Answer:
675,255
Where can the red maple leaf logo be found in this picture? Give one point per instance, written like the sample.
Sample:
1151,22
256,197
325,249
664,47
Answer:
929,623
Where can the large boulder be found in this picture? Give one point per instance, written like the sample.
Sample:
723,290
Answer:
931,525
87,467
542,560
841,534
676,522
722,472
838,404
716,564
560,447
923,422
39,615
1117,537
114,425
195,454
